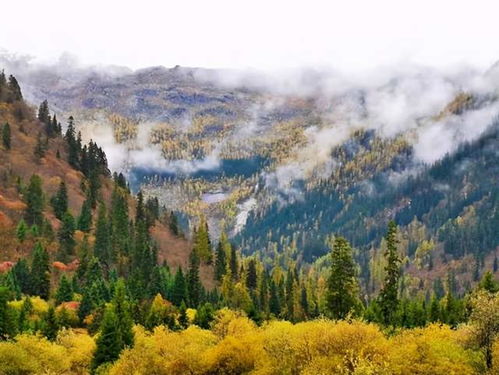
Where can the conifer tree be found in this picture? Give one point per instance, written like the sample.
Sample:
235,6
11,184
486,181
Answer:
8,326
59,201
34,201
50,325
6,136
40,147
234,264
388,298
85,218
65,291
40,272
15,90
109,343
121,307
102,245
274,301
43,112
342,286
251,276
22,275
221,257
179,289
66,235
194,286
21,230
183,320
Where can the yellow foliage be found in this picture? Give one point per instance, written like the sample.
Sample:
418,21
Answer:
432,350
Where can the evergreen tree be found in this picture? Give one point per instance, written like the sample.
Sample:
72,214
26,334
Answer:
43,112
21,231
179,290
342,286
6,136
221,255
15,90
102,245
8,325
85,218
109,343
50,325
40,272
22,275
251,276
65,235
234,264
65,291
204,316
274,302
73,149
183,320
388,298
34,201
202,243
122,310
40,147
60,201
194,286
488,283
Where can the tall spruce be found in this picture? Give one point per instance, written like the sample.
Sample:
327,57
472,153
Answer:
388,298
194,286
40,272
59,201
342,287
34,202
6,136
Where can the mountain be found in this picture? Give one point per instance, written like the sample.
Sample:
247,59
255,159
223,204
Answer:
281,168
33,152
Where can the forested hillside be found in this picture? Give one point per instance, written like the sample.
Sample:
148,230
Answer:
95,279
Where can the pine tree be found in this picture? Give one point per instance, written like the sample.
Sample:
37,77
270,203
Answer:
50,325
22,275
202,243
34,201
109,343
122,310
102,245
179,289
183,320
73,149
85,218
388,298
40,147
342,287
15,90
60,201
65,291
6,136
274,302
488,283
65,235
40,272
234,264
43,112
194,286
8,326
251,276
221,257
21,231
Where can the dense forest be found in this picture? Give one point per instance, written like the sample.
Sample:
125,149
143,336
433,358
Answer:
86,286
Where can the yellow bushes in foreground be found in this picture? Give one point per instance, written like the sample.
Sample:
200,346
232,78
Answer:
235,345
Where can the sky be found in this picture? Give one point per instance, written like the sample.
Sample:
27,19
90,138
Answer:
260,34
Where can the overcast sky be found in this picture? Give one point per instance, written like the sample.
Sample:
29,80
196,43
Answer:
262,34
